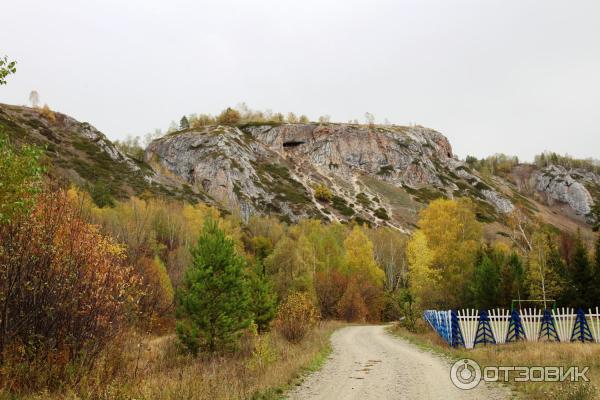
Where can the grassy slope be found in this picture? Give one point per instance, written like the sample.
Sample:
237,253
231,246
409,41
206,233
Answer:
525,354
73,158
157,371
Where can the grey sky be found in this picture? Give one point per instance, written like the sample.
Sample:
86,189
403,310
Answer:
514,76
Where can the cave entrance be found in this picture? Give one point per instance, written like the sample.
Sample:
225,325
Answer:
292,143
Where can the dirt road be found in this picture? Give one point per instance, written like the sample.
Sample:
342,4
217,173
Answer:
369,363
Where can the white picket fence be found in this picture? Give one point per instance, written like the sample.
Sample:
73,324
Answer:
564,321
593,320
468,320
499,321
531,318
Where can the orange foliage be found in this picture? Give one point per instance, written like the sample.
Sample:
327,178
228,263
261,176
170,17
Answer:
351,306
330,287
65,291
296,316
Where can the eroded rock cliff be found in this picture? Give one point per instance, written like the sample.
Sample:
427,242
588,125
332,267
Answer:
378,174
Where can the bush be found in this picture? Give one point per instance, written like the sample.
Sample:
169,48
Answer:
48,114
263,353
296,316
101,194
408,309
229,116
65,291
322,193
159,290
352,307
381,213
20,177
330,287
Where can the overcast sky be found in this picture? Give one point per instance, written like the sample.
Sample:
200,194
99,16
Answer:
513,76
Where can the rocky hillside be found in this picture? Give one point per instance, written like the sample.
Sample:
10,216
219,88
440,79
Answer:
572,190
77,152
382,175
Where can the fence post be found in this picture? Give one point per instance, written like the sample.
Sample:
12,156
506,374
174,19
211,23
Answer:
581,330
457,337
484,333
547,327
515,328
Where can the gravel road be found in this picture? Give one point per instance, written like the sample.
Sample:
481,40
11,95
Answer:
369,363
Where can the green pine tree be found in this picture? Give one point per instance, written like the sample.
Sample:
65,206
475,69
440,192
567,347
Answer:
263,301
101,194
566,291
511,287
518,270
213,304
184,123
486,283
580,275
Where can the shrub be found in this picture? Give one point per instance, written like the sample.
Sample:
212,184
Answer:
159,294
65,291
263,354
330,287
381,213
373,297
296,316
101,194
20,177
351,306
229,116
363,199
342,206
322,193
403,302
48,114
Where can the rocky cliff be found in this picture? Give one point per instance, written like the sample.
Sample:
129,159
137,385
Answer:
567,186
378,174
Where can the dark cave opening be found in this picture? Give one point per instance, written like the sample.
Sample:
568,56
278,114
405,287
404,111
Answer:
292,143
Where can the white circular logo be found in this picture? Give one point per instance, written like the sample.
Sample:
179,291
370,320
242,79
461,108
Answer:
465,374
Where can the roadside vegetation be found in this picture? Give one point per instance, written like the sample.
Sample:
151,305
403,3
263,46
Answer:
521,354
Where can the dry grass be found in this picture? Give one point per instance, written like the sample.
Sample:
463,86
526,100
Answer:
156,370
526,354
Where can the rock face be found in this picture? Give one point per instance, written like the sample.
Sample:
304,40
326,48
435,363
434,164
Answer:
373,173
566,186
402,155
382,175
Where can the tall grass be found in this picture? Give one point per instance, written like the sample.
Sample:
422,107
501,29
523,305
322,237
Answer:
153,368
